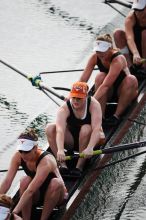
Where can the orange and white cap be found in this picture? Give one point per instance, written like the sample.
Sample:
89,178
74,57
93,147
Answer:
79,90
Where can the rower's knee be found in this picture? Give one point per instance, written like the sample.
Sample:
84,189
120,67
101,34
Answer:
120,38
24,182
50,130
55,186
131,82
99,79
85,132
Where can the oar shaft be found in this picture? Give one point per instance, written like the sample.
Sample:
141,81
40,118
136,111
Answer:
110,150
119,2
64,71
36,82
52,91
121,147
13,68
3,171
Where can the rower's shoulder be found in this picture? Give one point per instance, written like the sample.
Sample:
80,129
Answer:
47,160
94,101
130,17
63,110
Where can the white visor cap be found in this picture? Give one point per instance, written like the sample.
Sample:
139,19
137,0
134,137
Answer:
4,212
25,144
139,4
102,46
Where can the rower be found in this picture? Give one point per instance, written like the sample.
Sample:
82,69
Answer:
112,80
42,180
77,127
131,41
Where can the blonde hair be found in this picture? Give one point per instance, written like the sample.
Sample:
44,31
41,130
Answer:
105,37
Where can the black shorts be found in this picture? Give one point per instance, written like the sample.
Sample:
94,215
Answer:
137,37
44,187
75,131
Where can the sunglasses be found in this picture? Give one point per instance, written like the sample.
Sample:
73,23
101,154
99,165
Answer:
78,99
24,152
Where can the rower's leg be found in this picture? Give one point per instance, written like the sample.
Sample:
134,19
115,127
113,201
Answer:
53,196
98,81
84,138
51,136
26,212
127,93
143,44
121,43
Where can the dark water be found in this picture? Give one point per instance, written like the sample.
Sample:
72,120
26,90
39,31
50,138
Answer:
46,35
119,193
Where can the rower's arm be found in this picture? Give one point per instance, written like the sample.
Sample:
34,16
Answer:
14,165
96,121
88,69
61,121
129,24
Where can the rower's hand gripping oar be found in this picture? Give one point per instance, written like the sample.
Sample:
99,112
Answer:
110,150
36,81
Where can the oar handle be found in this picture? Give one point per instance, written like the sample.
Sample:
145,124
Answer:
82,155
143,60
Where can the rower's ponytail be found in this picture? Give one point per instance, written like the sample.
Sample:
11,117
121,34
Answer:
29,134
105,37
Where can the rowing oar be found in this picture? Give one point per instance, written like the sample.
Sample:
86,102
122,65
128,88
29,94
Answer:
2,171
143,60
128,5
36,81
64,71
110,150
109,4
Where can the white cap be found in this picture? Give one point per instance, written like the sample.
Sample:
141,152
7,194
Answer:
102,46
25,144
4,211
139,4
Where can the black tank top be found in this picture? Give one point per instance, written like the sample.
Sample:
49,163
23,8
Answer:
101,67
119,78
137,25
72,121
32,173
